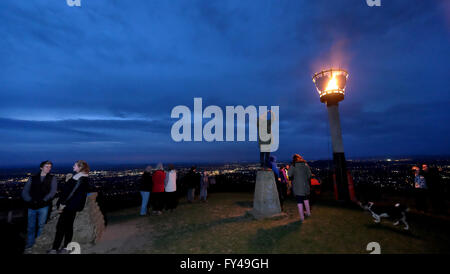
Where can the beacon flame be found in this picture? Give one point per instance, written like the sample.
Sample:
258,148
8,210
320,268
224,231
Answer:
330,84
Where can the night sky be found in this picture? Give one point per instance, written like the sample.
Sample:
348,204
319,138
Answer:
98,82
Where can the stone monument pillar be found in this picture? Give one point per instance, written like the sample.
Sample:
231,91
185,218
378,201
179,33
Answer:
266,203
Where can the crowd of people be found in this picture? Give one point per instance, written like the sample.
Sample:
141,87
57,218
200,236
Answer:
159,188
292,180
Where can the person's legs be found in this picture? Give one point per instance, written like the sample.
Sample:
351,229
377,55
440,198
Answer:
424,198
42,218
262,159
169,200
280,194
203,194
300,200
265,159
300,211
190,194
419,205
175,199
159,201
69,227
59,236
155,204
308,209
31,227
164,200
145,196
154,201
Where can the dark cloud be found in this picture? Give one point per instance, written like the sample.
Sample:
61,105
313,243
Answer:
102,79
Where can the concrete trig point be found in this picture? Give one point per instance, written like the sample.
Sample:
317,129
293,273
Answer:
266,203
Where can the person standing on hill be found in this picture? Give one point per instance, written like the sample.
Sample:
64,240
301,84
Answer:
192,182
38,193
278,178
300,174
145,188
421,190
71,201
436,191
158,179
170,188
204,184
283,184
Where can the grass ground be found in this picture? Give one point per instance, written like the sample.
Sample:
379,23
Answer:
222,226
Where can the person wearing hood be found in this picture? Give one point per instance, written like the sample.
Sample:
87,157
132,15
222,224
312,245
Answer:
278,178
300,174
71,201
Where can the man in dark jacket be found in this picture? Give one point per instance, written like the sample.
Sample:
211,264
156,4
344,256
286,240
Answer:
38,193
434,184
192,182
145,188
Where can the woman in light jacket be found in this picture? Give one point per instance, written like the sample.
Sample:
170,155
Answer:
300,174
171,189
71,201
